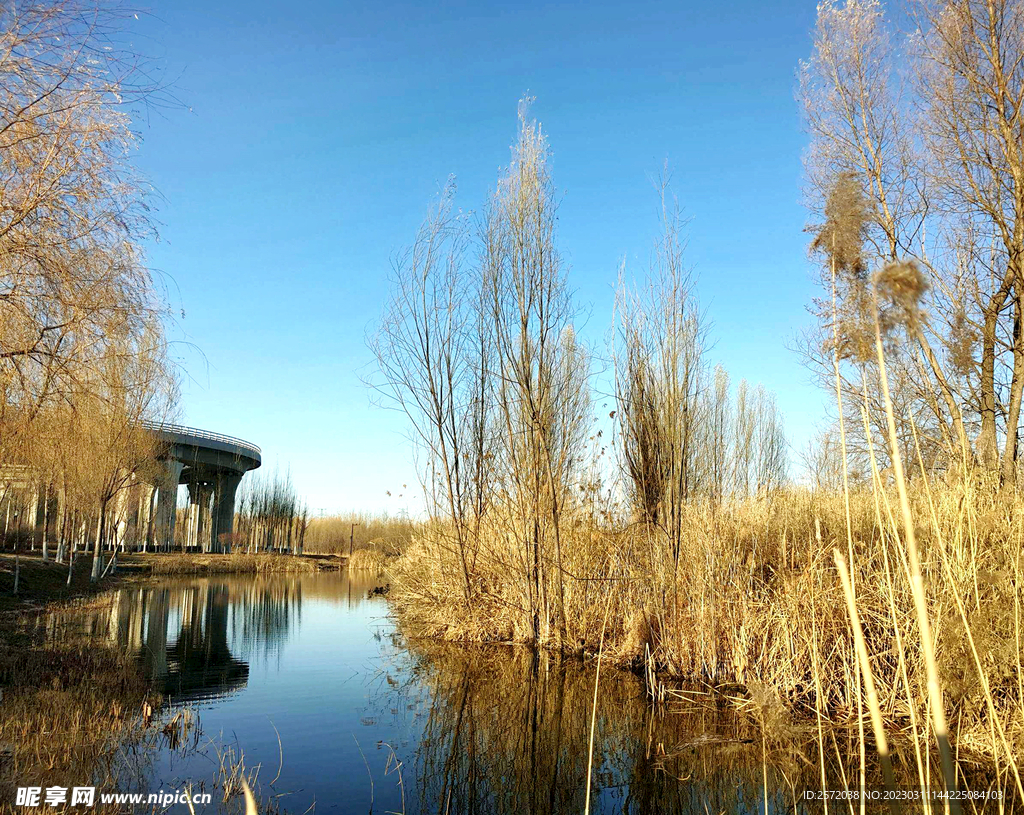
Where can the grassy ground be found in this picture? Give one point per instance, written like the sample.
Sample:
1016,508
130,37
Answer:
41,584
177,563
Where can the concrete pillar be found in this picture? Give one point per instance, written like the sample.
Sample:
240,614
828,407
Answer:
199,494
134,520
191,525
193,515
147,510
167,505
121,511
60,525
44,521
224,510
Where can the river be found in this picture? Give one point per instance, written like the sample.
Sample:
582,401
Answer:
307,678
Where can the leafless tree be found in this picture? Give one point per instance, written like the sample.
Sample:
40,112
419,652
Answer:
72,208
429,351
540,373
923,129
970,73
82,351
661,375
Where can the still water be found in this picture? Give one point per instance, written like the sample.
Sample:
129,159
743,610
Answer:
307,677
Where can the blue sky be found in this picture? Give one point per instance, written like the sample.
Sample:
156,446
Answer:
316,134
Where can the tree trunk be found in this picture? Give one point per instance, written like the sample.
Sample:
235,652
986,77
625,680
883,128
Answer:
988,449
956,416
97,556
1008,470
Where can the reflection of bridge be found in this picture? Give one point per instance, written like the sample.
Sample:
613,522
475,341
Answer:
211,465
196,636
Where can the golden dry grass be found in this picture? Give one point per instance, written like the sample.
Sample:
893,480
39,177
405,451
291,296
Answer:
370,560
756,601
69,707
239,563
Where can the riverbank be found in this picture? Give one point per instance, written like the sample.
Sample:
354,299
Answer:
40,583
69,707
159,563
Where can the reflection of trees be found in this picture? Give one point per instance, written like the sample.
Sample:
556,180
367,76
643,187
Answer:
197,636
263,612
179,631
184,631
508,732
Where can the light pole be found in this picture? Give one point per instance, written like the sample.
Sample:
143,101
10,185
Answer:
351,538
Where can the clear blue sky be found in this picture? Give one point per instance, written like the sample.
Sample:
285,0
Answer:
317,134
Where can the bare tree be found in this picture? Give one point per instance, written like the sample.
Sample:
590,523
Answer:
428,354
661,375
970,70
72,208
82,354
271,518
109,415
864,169
939,164
540,372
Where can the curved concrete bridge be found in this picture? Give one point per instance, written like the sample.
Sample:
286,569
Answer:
211,465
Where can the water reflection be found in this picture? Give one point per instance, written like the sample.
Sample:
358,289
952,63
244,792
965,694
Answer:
508,731
306,673
196,637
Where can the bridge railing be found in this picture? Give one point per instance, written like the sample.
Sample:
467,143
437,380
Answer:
203,434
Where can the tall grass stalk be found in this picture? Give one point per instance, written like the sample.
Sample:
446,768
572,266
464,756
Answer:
593,716
936,705
881,743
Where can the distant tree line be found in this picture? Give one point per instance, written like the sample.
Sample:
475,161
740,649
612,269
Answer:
270,516
340,532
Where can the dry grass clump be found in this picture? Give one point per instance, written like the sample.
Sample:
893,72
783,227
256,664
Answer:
370,560
69,707
66,712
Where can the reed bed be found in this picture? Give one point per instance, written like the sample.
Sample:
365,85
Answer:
756,601
68,711
370,560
